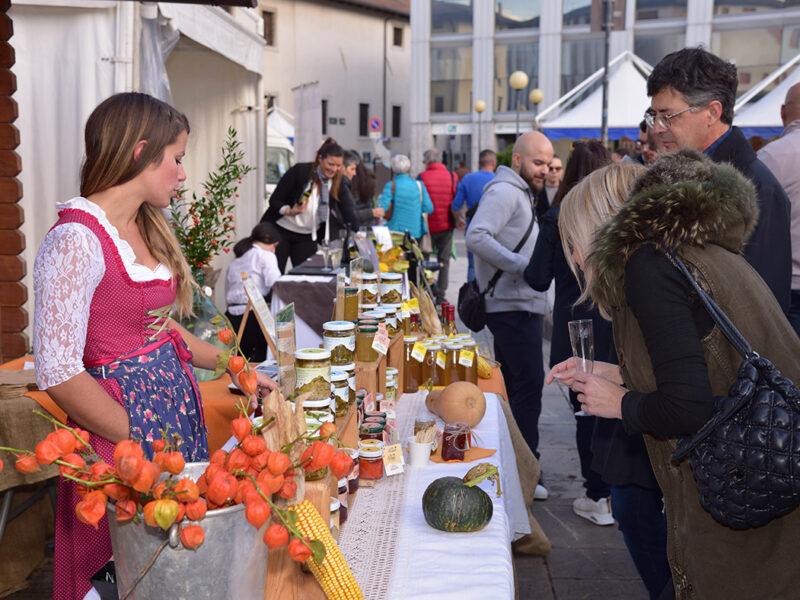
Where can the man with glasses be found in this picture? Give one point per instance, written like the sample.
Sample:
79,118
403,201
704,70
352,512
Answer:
555,170
692,95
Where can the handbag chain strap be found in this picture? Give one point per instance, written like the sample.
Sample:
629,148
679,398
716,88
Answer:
717,314
493,281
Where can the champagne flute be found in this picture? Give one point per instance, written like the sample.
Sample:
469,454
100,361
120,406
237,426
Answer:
325,247
581,337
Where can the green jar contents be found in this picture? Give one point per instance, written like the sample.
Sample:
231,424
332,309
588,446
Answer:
350,303
390,316
391,288
430,370
350,369
340,393
369,288
339,338
394,374
411,366
468,361
391,389
364,350
318,408
451,350
312,373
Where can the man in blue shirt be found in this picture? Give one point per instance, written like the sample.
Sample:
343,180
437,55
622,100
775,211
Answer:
470,190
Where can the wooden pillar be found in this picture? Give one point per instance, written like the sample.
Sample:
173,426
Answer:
13,293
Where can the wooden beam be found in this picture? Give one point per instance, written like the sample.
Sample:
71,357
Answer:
14,344
10,189
11,215
15,319
6,26
12,268
7,55
12,242
8,82
13,293
10,163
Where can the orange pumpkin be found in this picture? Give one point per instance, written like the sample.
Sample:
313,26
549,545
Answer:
459,402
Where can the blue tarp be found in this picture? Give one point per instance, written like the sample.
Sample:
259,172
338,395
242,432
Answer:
614,133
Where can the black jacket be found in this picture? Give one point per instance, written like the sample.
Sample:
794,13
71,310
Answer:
290,188
769,249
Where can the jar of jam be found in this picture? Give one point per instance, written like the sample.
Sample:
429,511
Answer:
369,288
350,303
468,361
391,288
370,461
340,393
364,350
339,338
370,431
430,371
312,373
350,369
411,366
451,350
455,441
414,323
352,477
343,494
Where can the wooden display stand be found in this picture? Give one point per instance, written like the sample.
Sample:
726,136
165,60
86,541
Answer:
395,358
371,375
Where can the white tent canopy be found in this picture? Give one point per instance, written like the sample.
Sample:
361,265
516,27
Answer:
627,101
281,121
763,117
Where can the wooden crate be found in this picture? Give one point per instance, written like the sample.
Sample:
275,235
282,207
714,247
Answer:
394,358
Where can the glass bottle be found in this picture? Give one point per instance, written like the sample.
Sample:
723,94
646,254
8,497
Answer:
450,373
468,361
411,366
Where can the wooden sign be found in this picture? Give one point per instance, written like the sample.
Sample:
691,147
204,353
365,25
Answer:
257,304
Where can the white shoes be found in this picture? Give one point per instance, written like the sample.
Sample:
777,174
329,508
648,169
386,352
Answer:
540,493
596,511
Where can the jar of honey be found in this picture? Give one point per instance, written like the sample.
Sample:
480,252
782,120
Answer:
350,303
391,389
364,350
411,366
370,461
430,369
455,441
468,361
369,288
339,338
451,350
340,393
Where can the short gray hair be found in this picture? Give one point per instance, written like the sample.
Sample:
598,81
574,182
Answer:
400,164
432,155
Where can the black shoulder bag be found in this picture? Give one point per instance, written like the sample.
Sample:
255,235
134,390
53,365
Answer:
746,458
472,301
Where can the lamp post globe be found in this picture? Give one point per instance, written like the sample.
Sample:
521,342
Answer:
518,81
536,96
479,107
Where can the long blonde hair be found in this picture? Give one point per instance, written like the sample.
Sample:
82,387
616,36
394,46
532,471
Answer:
586,208
112,131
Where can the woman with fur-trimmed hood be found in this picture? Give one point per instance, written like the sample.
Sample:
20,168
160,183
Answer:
673,360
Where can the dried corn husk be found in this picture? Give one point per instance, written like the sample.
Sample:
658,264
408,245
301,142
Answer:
427,311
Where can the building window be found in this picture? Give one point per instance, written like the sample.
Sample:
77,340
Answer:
269,27
363,120
451,16
732,7
652,48
396,120
451,79
324,117
517,14
397,36
577,12
507,59
660,9
579,59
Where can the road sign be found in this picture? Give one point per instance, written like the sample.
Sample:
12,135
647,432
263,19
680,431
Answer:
375,124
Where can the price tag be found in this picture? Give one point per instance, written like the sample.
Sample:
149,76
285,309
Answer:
393,459
465,358
440,360
381,341
413,306
404,312
418,351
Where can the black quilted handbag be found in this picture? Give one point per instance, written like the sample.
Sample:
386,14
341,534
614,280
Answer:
746,458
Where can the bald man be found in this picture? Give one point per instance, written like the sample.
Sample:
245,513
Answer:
782,157
501,236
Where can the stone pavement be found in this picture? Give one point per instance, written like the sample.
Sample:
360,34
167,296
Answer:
587,562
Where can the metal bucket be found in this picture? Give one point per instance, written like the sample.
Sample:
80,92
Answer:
230,564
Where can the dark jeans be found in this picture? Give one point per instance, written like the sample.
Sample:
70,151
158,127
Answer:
596,488
298,246
794,311
640,514
518,348
443,240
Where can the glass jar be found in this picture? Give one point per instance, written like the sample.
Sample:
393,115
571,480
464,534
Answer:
316,409
312,373
369,288
370,461
364,349
391,288
378,400
370,431
411,366
391,389
377,314
336,518
390,318
343,494
468,361
366,307
394,374
340,393
421,423
451,350
350,303
339,338
455,441
350,369
430,371
352,477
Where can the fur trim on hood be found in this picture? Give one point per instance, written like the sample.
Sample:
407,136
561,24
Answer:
683,199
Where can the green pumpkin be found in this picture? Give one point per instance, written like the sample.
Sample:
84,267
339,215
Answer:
450,505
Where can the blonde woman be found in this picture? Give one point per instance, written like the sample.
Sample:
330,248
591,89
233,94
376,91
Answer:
101,271
673,360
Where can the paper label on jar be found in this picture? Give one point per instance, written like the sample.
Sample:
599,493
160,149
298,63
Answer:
349,342
370,287
413,306
418,352
351,380
441,360
465,358
404,313
314,380
388,406
343,393
393,460
381,341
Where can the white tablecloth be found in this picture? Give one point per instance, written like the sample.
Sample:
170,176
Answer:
418,562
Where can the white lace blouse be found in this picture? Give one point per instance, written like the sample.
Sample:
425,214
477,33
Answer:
69,266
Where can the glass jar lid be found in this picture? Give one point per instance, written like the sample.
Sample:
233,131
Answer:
392,370
371,427
338,376
369,276
391,277
335,504
371,451
367,329
409,339
453,345
312,354
433,347
351,290
311,404
348,367
338,326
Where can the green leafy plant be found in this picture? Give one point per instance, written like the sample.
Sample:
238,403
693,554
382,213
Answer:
204,226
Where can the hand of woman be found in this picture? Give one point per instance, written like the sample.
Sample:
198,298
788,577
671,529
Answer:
565,372
377,212
296,209
599,396
265,386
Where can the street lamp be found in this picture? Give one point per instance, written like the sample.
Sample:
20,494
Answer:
480,106
536,96
519,81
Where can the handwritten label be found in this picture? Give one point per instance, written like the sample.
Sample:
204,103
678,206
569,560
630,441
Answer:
260,307
393,459
418,351
440,360
381,341
465,358
413,306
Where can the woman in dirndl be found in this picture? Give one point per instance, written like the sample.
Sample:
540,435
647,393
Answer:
102,275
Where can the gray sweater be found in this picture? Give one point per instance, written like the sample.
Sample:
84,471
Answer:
502,218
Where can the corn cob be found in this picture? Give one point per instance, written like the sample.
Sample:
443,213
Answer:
333,574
